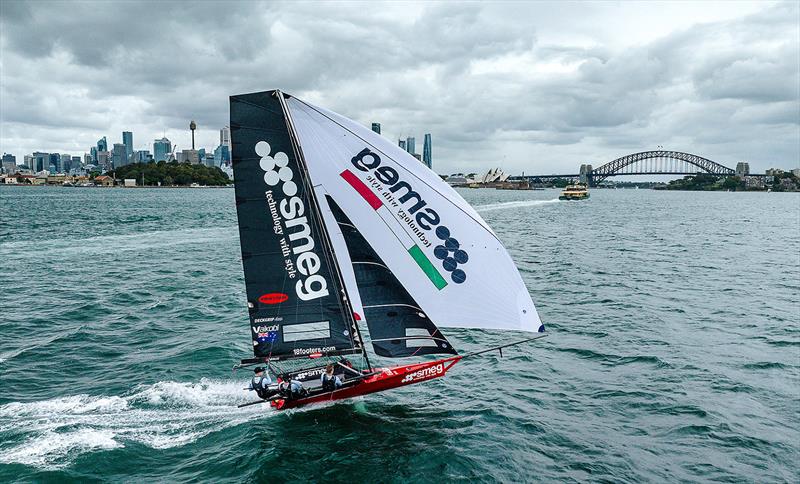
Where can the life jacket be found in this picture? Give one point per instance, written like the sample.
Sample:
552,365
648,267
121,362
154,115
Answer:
285,389
328,382
257,385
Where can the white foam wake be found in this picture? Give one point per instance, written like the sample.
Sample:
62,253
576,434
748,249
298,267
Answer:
516,204
50,433
137,241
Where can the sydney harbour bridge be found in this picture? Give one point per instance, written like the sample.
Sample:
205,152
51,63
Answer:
659,162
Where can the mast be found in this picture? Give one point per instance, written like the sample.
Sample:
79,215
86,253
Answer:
330,254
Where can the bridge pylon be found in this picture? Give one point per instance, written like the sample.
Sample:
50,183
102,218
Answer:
586,174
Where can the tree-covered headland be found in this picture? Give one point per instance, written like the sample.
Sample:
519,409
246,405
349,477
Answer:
703,181
171,174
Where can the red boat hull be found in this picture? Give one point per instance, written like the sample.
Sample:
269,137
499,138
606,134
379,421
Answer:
387,379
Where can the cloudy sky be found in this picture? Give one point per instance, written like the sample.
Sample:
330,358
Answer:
535,87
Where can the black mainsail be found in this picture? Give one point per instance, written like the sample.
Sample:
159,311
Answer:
295,296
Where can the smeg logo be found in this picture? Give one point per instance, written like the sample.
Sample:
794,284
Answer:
451,255
276,168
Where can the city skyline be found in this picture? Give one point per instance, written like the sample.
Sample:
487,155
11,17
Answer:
100,157
515,85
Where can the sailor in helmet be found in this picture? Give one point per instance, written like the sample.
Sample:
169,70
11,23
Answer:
260,382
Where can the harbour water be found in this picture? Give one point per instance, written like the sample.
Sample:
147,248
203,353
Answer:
673,355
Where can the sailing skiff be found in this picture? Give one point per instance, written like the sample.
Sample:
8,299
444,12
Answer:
342,231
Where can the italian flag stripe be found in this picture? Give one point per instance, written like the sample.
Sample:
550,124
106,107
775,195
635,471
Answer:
425,264
362,189
414,251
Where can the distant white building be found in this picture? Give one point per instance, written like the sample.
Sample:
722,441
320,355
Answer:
225,136
494,175
754,181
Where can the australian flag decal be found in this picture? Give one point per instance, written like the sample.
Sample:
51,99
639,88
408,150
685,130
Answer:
269,337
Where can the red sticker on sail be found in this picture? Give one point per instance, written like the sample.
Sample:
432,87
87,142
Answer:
273,298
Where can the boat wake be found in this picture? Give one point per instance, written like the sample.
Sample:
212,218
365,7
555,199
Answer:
102,244
516,204
50,433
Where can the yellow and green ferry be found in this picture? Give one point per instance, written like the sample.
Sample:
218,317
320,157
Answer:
579,191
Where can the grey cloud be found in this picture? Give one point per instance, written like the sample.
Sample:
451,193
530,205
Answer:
95,68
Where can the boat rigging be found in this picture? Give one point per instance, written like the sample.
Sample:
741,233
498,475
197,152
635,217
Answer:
341,229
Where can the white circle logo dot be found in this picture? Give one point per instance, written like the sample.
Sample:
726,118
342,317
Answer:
263,149
281,159
289,189
285,173
271,178
266,163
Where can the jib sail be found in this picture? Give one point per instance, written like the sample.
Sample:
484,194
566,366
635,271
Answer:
424,234
294,290
397,325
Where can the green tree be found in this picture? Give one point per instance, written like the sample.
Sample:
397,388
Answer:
731,183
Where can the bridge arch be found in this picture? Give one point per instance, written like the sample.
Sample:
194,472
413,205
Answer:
664,167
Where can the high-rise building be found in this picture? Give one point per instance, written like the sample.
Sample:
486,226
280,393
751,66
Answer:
9,163
162,148
65,164
411,145
119,155
103,160
102,144
427,157
93,153
55,163
222,155
189,156
401,143
142,156
40,161
127,140
90,159
225,137
376,127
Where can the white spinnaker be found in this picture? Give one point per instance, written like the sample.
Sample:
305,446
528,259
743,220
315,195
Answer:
492,294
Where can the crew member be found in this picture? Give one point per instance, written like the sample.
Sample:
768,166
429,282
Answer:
330,382
291,389
260,382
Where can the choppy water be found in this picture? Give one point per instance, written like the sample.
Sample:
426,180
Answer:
674,351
